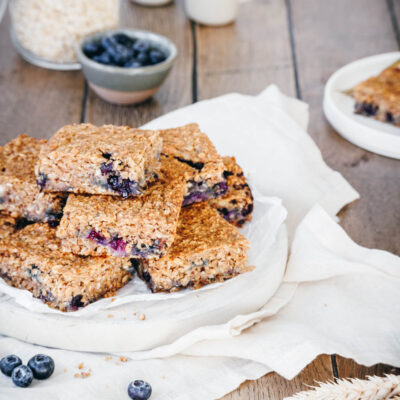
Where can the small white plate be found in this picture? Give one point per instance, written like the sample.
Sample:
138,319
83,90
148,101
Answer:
365,132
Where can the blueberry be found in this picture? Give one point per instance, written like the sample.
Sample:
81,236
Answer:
156,57
41,180
92,49
117,244
103,58
42,366
141,46
107,41
8,363
139,390
142,57
106,168
22,376
389,117
133,64
96,237
120,54
123,39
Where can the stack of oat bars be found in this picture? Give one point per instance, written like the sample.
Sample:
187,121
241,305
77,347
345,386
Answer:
84,211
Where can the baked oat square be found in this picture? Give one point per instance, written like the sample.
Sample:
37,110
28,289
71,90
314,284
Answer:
112,160
19,194
191,147
31,259
379,96
236,205
143,226
206,249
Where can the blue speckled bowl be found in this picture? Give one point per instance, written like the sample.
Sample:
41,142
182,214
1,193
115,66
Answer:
127,85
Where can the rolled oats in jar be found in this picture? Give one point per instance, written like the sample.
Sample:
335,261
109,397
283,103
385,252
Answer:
51,29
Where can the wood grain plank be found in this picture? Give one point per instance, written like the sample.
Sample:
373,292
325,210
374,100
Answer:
274,387
176,91
328,35
348,368
394,8
248,55
34,100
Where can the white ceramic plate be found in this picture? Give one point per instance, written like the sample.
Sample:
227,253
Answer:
119,330
365,132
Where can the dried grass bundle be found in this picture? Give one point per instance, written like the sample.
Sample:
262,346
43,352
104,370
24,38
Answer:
373,388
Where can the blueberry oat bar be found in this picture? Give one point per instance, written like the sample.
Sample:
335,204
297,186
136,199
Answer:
83,158
206,249
19,195
236,205
191,147
143,226
379,96
31,259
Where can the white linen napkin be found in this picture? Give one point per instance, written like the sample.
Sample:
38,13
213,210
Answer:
344,302
267,135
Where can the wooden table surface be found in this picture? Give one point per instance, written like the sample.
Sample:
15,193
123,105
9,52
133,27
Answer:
294,44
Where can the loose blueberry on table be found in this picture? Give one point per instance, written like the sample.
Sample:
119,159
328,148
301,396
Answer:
42,366
22,376
123,51
139,390
9,363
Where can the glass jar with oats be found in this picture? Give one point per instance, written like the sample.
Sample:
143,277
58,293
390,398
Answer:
46,32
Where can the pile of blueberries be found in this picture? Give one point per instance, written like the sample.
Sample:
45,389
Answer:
39,367
123,51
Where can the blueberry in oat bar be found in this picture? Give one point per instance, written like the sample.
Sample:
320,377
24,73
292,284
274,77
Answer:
379,96
143,226
236,205
31,259
191,147
19,195
206,249
112,160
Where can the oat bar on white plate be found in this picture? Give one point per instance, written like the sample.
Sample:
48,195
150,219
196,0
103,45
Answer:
206,249
32,259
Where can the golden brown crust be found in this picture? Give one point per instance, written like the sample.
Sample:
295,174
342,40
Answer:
72,159
7,225
141,222
379,96
19,194
31,259
206,249
236,205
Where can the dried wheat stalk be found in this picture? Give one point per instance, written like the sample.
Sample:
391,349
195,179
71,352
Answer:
373,388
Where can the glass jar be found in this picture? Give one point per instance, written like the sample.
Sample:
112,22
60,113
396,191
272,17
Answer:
46,32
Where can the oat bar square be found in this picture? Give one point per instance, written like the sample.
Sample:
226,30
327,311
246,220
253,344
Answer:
31,259
143,226
191,147
206,249
379,96
236,205
19,194
111,160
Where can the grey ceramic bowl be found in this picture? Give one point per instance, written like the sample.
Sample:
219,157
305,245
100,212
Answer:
127,85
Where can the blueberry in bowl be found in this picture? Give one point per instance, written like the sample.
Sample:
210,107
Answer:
126,66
